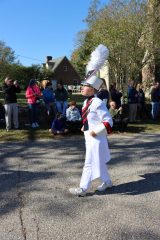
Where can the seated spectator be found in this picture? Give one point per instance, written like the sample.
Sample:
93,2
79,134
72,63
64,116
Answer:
49,100
58,125
73,117
119,122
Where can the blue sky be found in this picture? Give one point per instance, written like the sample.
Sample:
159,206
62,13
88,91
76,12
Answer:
37,28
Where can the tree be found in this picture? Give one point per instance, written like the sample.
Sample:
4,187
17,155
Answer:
151,44
122,24
6,54
84,43
81,55
7,58
117,25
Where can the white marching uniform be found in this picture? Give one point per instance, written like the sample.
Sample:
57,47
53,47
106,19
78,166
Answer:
97,151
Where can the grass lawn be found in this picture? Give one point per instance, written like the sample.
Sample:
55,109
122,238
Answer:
42,133
26,133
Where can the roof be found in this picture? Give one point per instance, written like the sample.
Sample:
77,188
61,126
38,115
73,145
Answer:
56,62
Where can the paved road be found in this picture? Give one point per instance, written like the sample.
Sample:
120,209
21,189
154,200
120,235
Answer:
35,203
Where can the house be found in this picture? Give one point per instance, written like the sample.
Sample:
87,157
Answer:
63,71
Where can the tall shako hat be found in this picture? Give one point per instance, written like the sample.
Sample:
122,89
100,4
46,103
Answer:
97,60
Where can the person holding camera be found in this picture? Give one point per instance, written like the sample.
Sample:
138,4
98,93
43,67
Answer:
33,94
10,89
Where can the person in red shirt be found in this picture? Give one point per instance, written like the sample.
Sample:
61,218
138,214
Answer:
33,94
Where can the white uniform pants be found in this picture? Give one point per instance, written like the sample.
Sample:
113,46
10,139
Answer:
86,177
11,109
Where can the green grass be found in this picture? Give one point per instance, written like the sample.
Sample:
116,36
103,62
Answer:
148,126
23,135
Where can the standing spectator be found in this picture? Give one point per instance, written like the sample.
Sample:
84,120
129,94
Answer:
61,96
103,93
141,108
33,94
44,83
132,101
97,122
49,99
2,113
73,117
10,89
115,95
155,100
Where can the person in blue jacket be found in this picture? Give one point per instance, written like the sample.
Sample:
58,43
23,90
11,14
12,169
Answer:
132,101
49,99
58,125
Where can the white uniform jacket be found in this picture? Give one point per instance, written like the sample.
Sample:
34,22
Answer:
97,151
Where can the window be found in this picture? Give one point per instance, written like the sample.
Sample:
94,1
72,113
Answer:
65,68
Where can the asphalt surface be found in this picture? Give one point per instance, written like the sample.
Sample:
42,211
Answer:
35,203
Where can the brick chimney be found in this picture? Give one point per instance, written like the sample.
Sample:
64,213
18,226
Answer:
48,58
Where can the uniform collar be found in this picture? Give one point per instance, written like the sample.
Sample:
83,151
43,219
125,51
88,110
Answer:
90,97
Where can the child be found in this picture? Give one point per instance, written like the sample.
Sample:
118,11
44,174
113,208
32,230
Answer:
97,122
118,120
113,109
58,125
73,117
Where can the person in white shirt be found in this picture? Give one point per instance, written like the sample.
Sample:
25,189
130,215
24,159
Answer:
97,122
73,117
72,113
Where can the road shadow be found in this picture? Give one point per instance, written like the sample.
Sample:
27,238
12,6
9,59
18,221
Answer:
11,182
149,183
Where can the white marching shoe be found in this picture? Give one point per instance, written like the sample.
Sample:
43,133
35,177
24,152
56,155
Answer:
104,186
77,192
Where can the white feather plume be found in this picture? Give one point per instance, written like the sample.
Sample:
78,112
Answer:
98,58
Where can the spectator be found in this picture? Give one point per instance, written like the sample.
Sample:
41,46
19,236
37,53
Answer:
103,93
61,96
49,99
141,108
44,83
2,113
73,117
155,100
115,95
33,94
10,89
119,121
132,101
58,125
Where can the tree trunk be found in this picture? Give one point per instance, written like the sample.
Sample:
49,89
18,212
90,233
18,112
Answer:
150,42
